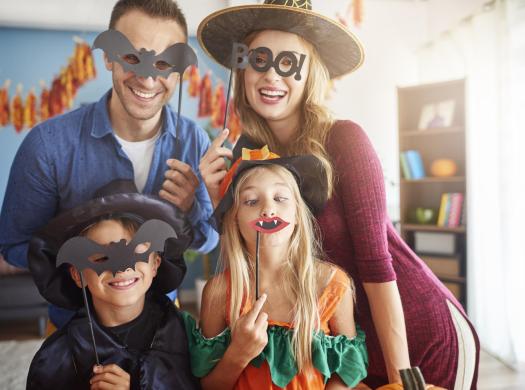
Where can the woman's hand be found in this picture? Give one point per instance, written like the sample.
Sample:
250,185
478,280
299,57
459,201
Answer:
249,335
110,376
213,166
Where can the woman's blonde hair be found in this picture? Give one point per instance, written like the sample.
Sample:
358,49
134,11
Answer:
315,119
299,267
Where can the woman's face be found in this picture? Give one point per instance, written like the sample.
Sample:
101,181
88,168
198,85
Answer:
272,96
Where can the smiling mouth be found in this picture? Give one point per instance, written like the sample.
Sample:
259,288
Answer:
268,225
143,95
123,284
272,94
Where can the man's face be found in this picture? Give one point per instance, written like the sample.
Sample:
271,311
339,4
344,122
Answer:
139,98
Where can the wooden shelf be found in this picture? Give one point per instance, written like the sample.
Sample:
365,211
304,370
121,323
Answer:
432,228
451,279
434,144
437,131
450,179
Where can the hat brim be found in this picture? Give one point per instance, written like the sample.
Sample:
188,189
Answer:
307,170
55,283
339,49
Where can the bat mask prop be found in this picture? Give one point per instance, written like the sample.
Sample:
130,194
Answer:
83,253
145,63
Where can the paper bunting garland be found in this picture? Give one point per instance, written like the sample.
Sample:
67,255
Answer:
218,107
205,96
54,101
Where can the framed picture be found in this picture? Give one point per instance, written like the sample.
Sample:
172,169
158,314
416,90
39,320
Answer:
437,115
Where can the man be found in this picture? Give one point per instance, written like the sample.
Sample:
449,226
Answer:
128,134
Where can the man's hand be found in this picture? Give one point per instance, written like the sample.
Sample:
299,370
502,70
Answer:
213,166
180,185
110,376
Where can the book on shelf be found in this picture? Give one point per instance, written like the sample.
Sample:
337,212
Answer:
405,169
451,210
415,164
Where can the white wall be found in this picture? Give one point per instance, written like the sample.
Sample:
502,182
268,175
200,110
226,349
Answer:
391,32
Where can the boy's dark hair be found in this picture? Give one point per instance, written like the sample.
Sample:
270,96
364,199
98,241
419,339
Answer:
167,9
129,223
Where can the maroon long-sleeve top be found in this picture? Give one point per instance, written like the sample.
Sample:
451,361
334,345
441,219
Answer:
358,235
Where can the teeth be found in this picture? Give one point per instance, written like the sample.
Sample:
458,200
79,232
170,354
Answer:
143,94
123,283
272,92
275,222
259,223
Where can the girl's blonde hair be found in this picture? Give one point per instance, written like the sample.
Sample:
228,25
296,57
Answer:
315,119
299,274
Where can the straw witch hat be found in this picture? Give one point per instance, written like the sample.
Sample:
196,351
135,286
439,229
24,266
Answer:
339,49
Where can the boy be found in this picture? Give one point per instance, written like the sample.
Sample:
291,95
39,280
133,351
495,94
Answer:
110,247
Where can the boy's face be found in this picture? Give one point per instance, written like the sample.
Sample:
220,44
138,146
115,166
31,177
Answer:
124,289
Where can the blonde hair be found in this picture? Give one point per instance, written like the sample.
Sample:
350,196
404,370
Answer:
315,119
299,271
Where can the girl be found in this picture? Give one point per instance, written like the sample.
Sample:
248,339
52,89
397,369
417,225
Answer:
300,333
286,111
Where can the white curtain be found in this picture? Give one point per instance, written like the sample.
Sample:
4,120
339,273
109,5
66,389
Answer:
488,49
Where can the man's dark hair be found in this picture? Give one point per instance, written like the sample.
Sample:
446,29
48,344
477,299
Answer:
166,9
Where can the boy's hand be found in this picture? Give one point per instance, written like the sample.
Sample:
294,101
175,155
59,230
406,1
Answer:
110,376
249,335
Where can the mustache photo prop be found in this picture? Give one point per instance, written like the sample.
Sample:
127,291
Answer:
267,226
146,63
83,253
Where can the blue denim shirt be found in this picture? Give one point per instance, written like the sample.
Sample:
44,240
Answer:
63,161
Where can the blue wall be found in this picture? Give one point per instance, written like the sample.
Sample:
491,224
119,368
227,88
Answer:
30,55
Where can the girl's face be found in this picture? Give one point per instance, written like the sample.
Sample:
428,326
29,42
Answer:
124,289
273,97
266,203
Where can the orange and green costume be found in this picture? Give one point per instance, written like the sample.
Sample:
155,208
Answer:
275,367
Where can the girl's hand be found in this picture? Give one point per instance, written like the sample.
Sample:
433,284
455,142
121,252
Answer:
213,166
249,335
110,376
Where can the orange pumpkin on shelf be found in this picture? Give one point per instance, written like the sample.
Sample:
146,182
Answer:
443,167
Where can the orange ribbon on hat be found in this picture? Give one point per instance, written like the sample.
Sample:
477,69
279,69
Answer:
247,155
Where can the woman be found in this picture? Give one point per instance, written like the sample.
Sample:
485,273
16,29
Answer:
284,109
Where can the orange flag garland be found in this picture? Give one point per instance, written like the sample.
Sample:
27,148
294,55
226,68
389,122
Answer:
30,110
17,110
205,96
218,107
4,104
53,101
195,81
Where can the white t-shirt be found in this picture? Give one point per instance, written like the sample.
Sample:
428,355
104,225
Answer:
140,153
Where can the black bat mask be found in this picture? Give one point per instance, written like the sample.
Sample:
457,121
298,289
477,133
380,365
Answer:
145,63
261,59
83,253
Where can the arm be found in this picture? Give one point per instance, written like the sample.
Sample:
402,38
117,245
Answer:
30,199
248,337
389,322
342,322
363,195
185,189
